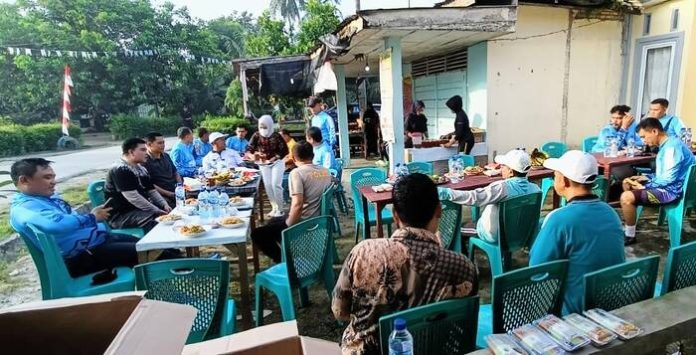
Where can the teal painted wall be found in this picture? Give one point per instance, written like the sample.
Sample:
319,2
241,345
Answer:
434,90
477,84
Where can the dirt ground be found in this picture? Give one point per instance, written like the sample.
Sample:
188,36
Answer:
20,283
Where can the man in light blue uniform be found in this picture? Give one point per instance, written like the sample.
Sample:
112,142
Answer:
674,159
238,142
587,231
323,121
515,166
182,153
622,127
670,123
323,155
201,146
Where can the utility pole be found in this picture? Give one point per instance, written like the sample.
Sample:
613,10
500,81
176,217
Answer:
357,6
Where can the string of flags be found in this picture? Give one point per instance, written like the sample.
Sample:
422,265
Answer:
183,53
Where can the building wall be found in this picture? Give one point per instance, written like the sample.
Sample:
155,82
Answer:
527,79
660,24
477,83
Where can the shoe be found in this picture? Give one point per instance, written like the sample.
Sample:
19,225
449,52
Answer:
630,241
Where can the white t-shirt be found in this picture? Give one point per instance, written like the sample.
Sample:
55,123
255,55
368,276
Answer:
229,156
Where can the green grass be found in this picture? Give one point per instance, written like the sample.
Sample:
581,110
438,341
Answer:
5,229
76,195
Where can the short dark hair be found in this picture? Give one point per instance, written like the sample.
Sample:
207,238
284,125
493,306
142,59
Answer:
303,151
313,101
152,136
660,101
415,199
27,167
621,109
130,144
202,132
650,123
241,126
183,132
284,132
314,133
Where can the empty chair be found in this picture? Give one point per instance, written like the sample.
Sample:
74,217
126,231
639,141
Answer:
420,167
588,143
445,327
306,260
367,177
201,283
450,226
56,281
680,269
95,192
522,296
554,149
620,285
546,187
518,223
327,208
340,193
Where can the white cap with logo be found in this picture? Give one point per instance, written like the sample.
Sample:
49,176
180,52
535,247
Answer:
576,165
215,135
516,159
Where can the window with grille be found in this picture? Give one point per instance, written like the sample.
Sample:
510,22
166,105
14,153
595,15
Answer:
449,62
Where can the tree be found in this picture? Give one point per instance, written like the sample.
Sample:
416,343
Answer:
231,32
270,38
288,9
321,17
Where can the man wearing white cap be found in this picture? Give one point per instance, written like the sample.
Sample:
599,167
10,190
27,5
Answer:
515,166
220,155
587,231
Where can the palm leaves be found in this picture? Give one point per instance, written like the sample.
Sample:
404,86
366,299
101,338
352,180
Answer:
291,9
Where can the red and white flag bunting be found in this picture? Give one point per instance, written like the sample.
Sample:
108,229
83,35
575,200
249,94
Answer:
67,90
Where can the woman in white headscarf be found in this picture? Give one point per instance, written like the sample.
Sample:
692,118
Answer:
268,149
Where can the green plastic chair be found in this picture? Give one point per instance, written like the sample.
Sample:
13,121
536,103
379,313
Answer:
554,149
600,188
522,296
420,167
201,283
680,269
620,285
441,328
95,191
588,143
368,177
450,226
306,261
327,209
674,213
518,225
546,187
340,193
56,281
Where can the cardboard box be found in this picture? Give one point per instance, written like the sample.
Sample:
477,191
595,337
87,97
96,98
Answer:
117,323
274,339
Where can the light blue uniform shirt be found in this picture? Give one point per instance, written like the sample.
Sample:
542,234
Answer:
323,121
238,144
200,150
183,158
588,233
324,156
623,136
672,125
672,164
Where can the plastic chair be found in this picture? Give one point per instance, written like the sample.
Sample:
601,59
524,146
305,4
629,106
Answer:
620,285
588,143
546,187
95,192
450,226
327,209
441,328
56,281
522,296
201,283
554,149
674,213
306,260
367,177
600,188
286,189
340,192
518,225
680,269
420,167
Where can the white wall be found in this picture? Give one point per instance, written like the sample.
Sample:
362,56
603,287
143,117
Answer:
526,72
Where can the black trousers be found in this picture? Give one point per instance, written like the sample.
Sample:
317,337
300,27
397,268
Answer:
269,238
134,219
466,145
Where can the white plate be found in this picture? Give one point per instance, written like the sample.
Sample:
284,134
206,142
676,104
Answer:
168,223
206,227
233,226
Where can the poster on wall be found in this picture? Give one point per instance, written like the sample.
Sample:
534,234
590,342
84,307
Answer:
385,79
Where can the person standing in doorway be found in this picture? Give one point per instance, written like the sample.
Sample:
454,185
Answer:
267,148
462,137
372,130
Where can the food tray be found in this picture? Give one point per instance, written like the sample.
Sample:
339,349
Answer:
504,344
598,334
624,329
568,337
537,341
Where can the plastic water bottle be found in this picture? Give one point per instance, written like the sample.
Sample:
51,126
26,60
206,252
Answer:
223,200
689,137
607,146
180,195
203,207
400,340
631,147
682,135
213,199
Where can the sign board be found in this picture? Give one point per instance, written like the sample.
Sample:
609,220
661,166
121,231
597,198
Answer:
385,81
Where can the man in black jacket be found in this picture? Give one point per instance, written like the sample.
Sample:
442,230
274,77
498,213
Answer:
463,136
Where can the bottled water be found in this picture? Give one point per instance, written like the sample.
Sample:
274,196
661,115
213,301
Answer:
180,195
631,147
682,135
607,146
689,137
613,147
400,340
223,200
213,203
203,207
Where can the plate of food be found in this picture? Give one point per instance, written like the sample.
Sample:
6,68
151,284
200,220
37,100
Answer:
192,230
237,201
231,222
538,157
237,183
439,179
191,202
473,170
169,219
382,188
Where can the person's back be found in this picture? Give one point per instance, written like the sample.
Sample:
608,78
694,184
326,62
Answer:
311,181
324,156
323,121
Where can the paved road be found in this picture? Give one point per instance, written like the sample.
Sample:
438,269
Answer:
77,163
